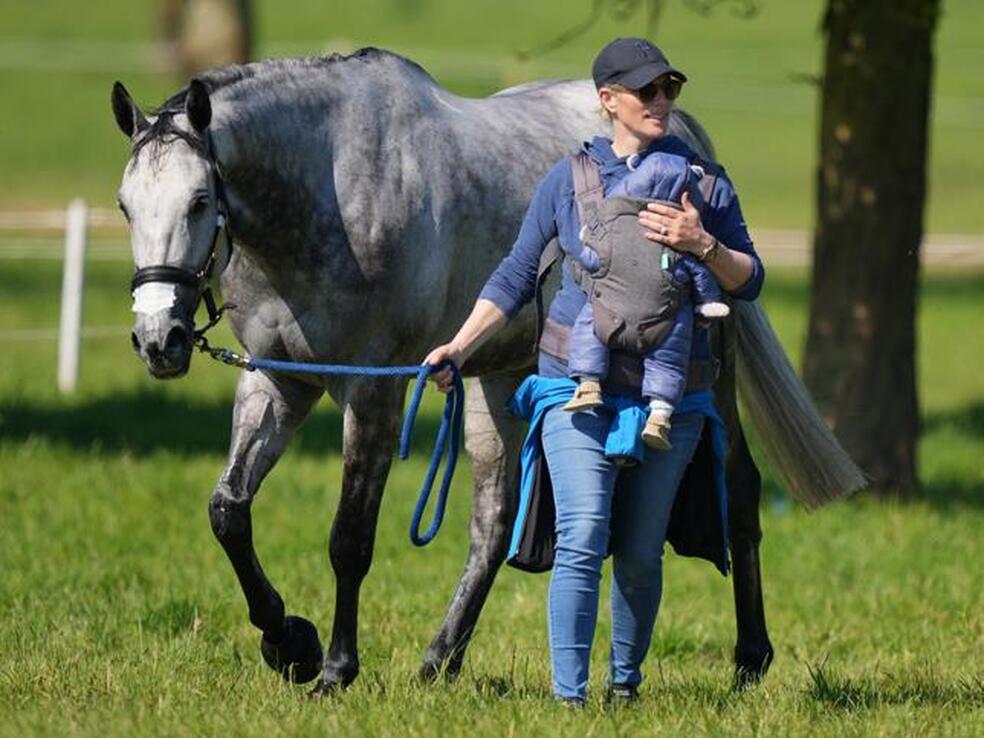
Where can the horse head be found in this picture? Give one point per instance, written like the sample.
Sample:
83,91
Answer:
171,198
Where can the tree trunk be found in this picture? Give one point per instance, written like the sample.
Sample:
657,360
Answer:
860,351
206,33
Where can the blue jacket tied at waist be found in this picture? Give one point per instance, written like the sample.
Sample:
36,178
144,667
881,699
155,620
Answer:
693,530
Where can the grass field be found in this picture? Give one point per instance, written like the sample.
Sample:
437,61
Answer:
119,614
58,140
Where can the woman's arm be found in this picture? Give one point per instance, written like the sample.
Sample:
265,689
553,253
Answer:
486,318
683,231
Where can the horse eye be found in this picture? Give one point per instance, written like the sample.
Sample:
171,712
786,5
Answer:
199,204
123,210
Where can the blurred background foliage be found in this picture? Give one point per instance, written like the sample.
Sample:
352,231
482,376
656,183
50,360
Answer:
752,82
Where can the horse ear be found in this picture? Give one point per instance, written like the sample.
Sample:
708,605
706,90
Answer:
127,114
197,105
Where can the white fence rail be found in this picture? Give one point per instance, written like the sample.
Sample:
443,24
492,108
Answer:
73,282
75,222
778,248
54,220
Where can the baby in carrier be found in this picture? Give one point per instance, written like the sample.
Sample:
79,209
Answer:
628,275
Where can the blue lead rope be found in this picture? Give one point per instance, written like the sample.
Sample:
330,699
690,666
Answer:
450,429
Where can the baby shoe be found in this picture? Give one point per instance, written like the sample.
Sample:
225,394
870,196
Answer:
586,397
656,434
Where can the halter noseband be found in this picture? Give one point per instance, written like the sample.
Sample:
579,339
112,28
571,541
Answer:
197,280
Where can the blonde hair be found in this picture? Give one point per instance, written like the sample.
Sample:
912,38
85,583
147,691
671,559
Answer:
614,87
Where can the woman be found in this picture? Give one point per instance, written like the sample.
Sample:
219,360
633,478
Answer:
632,77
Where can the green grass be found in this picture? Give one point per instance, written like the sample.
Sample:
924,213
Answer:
119,614
57,138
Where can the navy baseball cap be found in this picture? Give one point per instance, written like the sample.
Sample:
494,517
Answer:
632,63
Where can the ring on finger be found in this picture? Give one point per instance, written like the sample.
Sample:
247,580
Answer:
663,230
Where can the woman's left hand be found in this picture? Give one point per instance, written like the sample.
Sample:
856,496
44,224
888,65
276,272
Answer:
681,230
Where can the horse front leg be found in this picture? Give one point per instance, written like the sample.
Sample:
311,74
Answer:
267,412
493,439
371,429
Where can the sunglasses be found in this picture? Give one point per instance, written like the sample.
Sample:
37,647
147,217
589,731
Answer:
670,86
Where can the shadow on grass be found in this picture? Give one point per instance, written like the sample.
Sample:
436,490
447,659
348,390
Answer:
950,491
494,687
947,493
144,422
941,492
915,688
966,421
171,618
791,287
674,642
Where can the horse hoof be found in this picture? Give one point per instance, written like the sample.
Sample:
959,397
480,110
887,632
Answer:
324,689
429,673
297,656
432,670
751,667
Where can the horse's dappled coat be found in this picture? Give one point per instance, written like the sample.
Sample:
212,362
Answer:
368,206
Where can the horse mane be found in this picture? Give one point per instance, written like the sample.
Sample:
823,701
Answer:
164,130
684,125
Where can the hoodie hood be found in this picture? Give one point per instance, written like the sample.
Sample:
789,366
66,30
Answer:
611,165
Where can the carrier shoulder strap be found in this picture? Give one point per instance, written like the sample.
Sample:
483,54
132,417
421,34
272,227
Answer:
551,253
588,190
588,196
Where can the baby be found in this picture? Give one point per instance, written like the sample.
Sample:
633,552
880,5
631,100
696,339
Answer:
663,177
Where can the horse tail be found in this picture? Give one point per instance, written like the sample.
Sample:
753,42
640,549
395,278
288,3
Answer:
796,440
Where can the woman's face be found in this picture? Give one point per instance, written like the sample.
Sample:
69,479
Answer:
643,113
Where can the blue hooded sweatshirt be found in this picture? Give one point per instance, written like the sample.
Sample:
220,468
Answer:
553,214
698,524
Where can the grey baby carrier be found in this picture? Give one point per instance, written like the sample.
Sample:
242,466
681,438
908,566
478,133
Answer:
634,296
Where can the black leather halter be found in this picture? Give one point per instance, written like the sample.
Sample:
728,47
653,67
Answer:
198,279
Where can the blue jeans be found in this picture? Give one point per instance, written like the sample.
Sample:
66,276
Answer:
602,508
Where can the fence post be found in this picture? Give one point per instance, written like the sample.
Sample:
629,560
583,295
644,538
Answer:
70,328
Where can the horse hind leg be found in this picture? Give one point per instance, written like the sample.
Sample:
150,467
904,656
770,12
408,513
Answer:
493,439
267,412
371,425
753,650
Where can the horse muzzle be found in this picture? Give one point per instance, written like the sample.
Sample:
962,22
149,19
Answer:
164,342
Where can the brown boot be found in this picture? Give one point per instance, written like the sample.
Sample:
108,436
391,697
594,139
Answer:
586,397
656,434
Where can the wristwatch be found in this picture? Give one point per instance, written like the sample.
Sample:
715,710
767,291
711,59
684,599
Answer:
710,253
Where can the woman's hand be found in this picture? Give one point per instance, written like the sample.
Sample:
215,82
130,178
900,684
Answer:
681,230
444,379
485,319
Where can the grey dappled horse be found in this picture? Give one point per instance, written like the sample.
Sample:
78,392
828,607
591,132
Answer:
368,206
